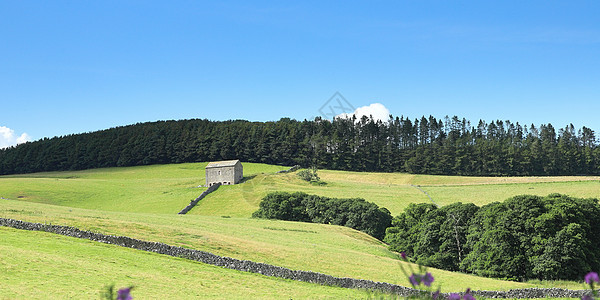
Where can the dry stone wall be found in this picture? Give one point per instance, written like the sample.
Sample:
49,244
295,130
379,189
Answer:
269,270
292,169
193,203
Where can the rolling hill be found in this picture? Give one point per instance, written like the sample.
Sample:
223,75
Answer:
169,188
142,202
57,267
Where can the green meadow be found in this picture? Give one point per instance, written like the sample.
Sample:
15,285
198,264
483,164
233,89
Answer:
395,191
58,267
328,249
169,188
151,189
142,202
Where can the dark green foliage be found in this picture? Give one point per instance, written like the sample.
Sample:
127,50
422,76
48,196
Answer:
354,213
503,233
524,237
283,206
432,236
309,175
568,249
425,145
534,237
403,235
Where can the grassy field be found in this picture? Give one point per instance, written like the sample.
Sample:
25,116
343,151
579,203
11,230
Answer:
333,250
392,190
151,189
58,267
142,202
169,188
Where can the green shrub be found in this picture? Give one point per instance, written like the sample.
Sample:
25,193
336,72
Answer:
354,213
432,236
525,237
309,175
283,206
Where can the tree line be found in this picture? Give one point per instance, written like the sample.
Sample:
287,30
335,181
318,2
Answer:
355,213
451,146
525,237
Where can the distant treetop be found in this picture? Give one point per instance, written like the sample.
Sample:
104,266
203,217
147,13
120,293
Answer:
452,146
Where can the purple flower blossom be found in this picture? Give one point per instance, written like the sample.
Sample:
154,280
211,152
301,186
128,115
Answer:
587,297
427,279
435,295
124,294
467,295
591,277
415,279
403,255
454,296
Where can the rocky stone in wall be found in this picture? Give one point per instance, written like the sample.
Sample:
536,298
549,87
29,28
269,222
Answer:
292,169
193,203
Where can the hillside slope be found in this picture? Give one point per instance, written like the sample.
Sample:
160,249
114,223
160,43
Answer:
394,191
169,188
332,250
58,267
141,202
151,189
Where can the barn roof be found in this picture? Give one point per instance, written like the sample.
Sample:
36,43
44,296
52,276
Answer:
224,163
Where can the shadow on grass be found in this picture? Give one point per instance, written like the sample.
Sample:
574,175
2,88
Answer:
247,178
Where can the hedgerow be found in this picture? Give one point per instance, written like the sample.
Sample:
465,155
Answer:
554,237
351,212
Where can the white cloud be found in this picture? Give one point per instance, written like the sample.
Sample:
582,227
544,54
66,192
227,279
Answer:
377,110
24,138
8,137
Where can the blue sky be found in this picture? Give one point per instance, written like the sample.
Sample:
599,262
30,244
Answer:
76,66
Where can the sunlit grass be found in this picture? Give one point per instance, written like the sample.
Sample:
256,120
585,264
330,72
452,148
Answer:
152,189
484,194
142,202
169,188
58,267
394,191
333,250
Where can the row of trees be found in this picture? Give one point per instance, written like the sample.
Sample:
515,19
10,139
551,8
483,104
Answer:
425,145
354,213
525,237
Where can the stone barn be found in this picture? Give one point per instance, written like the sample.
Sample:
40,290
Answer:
224,172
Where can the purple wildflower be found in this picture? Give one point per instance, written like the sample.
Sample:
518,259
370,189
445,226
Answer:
454,296
587,297
427,279
403,255
468,295
415,279
435,295
124,294
591,277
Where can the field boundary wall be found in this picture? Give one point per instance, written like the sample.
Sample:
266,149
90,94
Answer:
292,169
271,270
193,203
